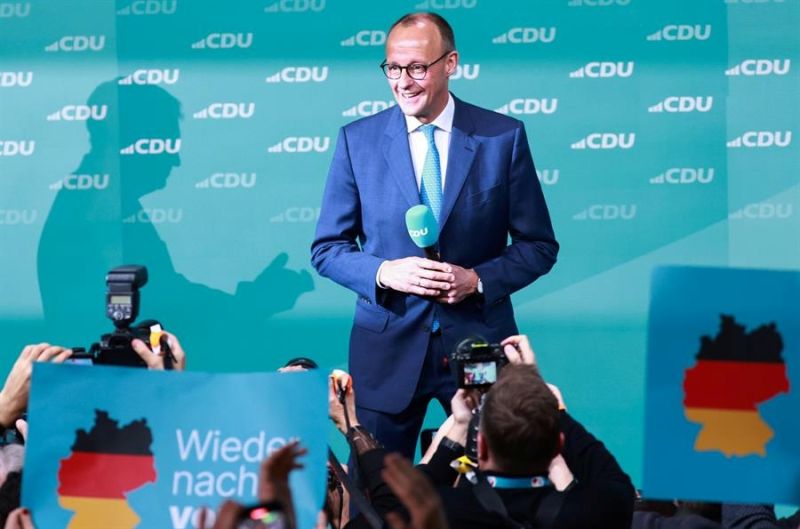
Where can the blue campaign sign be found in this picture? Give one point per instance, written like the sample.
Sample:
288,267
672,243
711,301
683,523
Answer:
723,372
131,448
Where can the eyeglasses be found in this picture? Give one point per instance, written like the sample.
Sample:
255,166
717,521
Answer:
415,70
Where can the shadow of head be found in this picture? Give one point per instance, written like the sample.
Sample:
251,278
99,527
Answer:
140,135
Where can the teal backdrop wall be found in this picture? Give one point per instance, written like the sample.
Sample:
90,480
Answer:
194,137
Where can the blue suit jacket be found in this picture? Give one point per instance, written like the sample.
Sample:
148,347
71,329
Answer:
491,192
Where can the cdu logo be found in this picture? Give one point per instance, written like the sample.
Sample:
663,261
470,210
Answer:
81,182
597,3
151,76
529,106
427,5
606,140
683,104
12,217
10,148
762,139
751,67
301,144
226,111
295,6
603,70
466,71
15,9
526,36
296,214
11,79
149,7
763,210
79,113
224,41
674,32
365,37
750,2
78,43
299,74
684,176
228,181
548,177
148,146
418,233
367,108
155,216
607,212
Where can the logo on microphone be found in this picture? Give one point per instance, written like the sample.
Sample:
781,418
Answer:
418,233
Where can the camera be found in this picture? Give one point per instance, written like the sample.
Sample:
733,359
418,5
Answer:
477,362
122,308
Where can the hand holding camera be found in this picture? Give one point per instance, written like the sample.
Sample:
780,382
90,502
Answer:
168,345
342,401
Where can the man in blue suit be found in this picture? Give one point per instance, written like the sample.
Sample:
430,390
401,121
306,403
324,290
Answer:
474,169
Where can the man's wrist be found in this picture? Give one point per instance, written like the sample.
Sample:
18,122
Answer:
7,415
478,285
378,276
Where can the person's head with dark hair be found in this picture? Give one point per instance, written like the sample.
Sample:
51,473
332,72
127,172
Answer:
519,430
420,58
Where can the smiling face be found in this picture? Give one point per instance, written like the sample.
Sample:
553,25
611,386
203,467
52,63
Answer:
420,43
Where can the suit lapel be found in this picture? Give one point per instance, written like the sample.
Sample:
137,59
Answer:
398,157
459,161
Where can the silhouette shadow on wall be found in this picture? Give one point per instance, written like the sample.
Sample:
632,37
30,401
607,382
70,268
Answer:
103,224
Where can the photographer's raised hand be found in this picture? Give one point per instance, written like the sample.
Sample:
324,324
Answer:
336,410
415,492
273,480
518,350
19,518
156,361
14,395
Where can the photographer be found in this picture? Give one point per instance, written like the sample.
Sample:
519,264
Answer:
521,431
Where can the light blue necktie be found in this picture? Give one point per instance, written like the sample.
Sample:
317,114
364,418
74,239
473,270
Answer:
430,189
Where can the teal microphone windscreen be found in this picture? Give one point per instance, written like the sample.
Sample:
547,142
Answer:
422,226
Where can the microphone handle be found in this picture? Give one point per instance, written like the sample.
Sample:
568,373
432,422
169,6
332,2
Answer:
432,253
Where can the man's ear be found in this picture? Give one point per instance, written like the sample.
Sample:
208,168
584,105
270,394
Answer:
483,448
452,63
560,445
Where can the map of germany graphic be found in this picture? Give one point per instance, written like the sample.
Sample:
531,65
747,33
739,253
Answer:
105,464
735,371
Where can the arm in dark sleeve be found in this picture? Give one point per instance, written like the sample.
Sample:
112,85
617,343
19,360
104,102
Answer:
602,486
438,469
371,464
533,249
335,252
756,517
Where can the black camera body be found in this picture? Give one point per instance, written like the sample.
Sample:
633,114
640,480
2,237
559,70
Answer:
122,308
477,363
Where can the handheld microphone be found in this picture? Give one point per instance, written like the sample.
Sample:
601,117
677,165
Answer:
423,230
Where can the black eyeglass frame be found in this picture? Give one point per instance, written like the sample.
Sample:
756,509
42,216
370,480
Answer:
383,66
